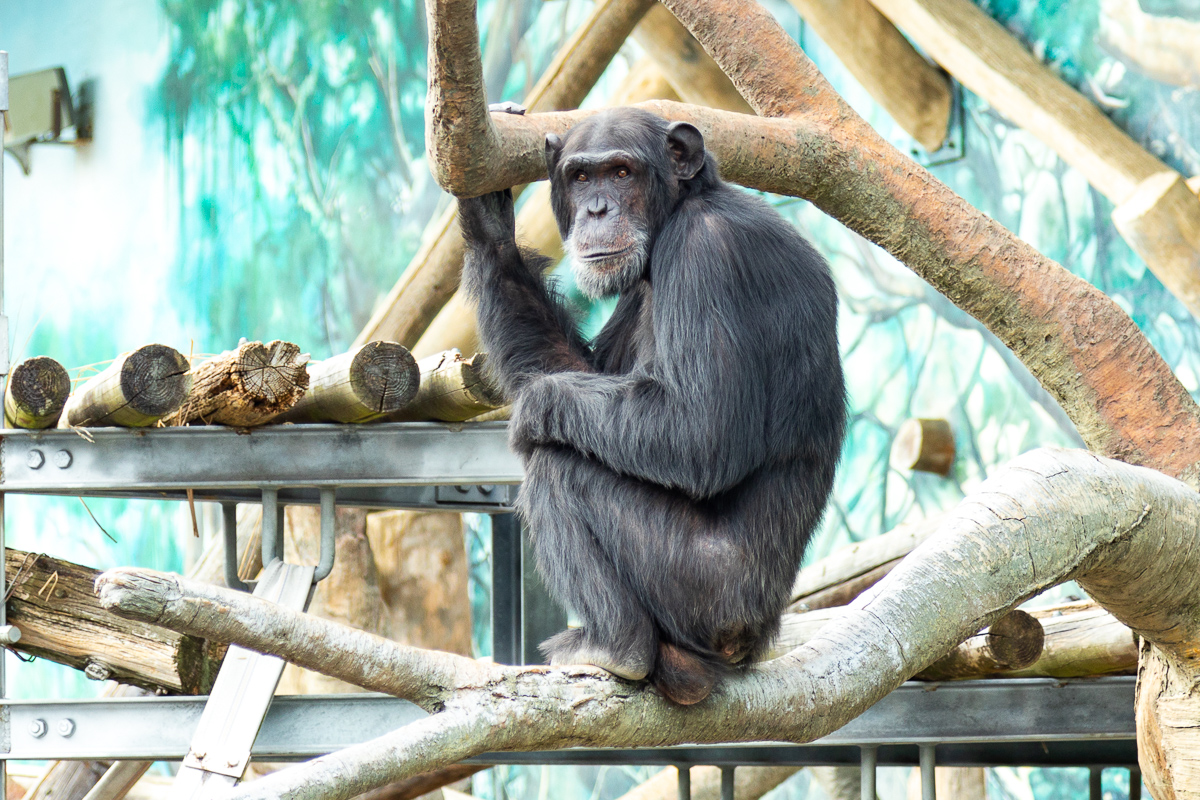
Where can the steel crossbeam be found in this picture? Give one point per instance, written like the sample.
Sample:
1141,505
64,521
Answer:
999,721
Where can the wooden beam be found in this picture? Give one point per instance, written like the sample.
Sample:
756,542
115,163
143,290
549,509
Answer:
692,73
1161,47
989,61
912,91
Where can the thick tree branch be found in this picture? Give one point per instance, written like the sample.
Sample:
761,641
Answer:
1051,516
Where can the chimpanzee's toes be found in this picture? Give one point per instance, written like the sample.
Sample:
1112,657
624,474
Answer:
682,676
573,647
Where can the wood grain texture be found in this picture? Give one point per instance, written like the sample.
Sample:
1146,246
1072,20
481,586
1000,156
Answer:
453,389
54,605
136,390
35,393
245,387
366,383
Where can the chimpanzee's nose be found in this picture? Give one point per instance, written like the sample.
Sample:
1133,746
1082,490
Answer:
597,206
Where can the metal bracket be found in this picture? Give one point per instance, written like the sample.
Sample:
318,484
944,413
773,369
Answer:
241,696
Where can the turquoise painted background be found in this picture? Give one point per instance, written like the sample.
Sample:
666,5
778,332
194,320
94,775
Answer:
258,170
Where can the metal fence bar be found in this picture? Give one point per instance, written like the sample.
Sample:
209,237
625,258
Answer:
928,772
870,760
685,781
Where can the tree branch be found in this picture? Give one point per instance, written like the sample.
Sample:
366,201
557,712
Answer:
1052,515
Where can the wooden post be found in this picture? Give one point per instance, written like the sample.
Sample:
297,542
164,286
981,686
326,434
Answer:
453,389
136,390
245,387
925,445
366,383
35,394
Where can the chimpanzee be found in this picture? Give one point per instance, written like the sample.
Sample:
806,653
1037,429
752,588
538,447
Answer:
676,466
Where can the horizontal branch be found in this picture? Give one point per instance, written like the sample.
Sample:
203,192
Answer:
1051,516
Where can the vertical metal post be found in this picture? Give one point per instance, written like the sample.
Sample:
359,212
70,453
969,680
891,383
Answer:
1095,783
229,533
272,528
506,589
685,782
727,783
928,772
541,617
1135,783
328,533
869,760
3,372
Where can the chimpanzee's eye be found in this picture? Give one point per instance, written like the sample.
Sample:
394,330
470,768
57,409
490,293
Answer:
622,173
581,176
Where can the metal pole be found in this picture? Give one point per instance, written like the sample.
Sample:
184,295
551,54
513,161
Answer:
727,783
3,372
928,774
1095,787
1135,783
685,782
869,760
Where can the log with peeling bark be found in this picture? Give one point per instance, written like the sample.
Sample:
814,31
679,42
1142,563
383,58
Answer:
137,390
245,387
366,383
35,393
53,604
453,389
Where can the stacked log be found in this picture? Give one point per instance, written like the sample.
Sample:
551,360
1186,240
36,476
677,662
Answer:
367,383
245,387
36,393
137,390
453,389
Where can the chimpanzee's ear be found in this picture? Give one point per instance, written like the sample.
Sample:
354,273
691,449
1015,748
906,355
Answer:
687,149
554,147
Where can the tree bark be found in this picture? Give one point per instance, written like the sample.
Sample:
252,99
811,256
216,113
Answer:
35,393
912,91
992,63
364,384
1050,516
136,390
245,387
54,606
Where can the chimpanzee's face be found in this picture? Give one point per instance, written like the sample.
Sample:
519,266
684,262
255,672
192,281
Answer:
611,232
614,181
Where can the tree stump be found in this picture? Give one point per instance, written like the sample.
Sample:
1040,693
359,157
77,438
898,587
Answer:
136,390
36,393
245,387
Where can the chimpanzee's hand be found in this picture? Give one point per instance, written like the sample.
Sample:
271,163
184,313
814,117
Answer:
488,222
528,422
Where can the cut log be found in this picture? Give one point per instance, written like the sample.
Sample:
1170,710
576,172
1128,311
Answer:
1081,640
925,445
990,62
35,394
54,606
912,91
366,383
245,387
453,389
869,560
1015,641
136,390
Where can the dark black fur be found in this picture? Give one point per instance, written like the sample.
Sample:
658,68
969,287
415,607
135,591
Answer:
676,466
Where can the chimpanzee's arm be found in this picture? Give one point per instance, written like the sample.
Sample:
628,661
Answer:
525,328
745,366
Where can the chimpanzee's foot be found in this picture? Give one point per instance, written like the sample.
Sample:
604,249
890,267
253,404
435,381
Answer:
572,647
682,676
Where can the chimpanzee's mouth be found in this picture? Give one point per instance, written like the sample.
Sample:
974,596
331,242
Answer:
606,255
